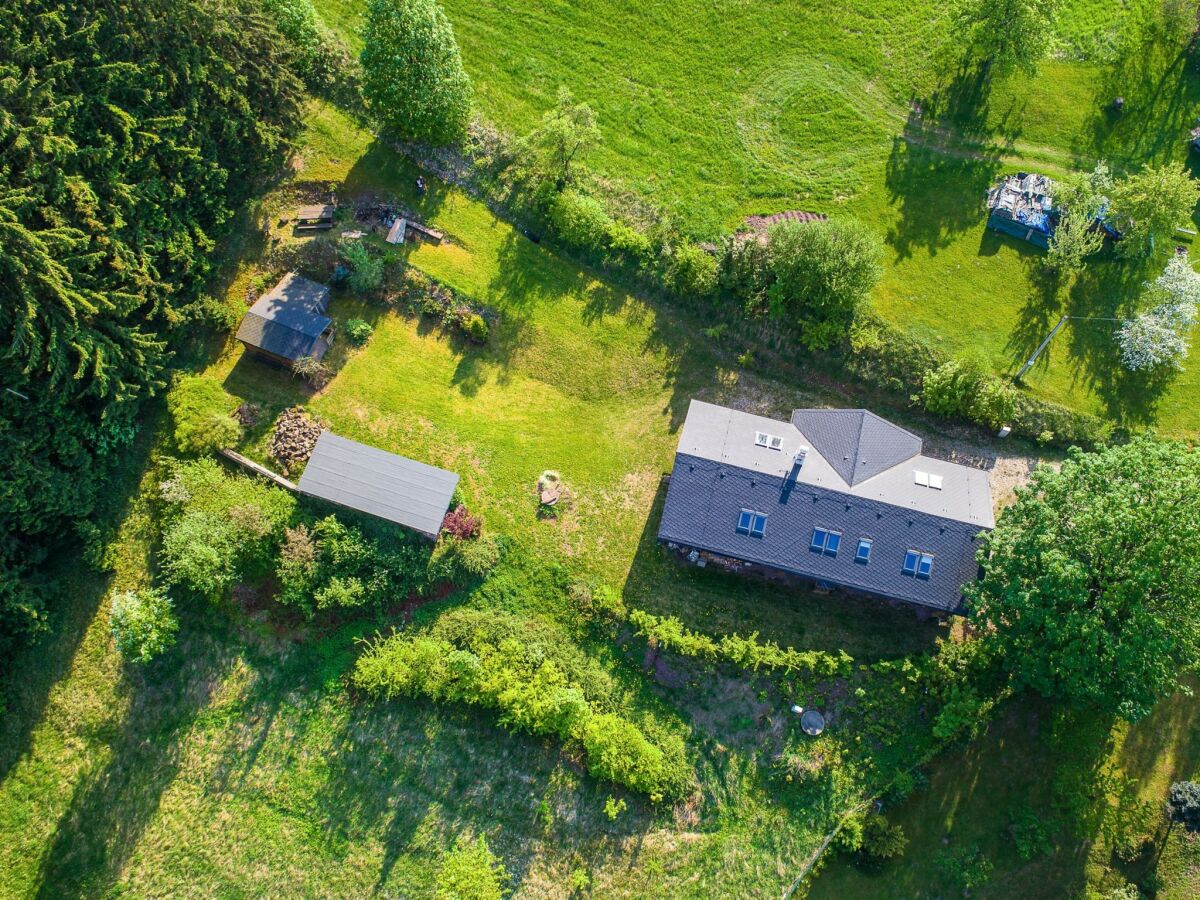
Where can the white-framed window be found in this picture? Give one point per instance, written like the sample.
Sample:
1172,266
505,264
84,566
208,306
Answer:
752,523
770,441
917,563
825,541
863,553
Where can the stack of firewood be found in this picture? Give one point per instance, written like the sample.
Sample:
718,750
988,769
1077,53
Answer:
294,438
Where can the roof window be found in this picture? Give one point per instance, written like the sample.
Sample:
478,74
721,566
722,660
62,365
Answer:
825,541
927,479
863,553
918,564
752,523
770,441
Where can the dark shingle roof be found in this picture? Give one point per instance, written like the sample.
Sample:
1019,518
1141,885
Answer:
289,320
857,443
382,484
705,498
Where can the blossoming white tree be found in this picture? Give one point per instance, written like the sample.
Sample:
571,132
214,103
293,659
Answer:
1159,336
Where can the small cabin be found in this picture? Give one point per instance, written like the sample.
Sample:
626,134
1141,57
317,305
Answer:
288,322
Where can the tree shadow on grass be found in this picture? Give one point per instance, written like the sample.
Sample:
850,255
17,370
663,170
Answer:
1041,311
943,163
110,809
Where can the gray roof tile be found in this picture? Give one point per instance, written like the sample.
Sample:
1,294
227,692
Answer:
289,319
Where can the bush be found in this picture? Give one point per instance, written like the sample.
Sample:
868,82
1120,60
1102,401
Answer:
471,872
366,269
201,410
476,328
143,624
963,387
690,271
479,557
460,523
580,222
358,331
745,272
619,752
881,840
822,273
967,867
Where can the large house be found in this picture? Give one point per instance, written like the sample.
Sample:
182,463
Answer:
838,496
289,322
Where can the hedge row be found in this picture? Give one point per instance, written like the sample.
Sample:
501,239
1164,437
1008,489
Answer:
748,652
534,687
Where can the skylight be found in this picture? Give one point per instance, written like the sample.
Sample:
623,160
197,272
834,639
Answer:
752,523
825,541
770,441
863,553
935,481
918,563
927,479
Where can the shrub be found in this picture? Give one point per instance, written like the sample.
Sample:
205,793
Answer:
618,751
201,410
580,222
358,331
967,867
471,872
690,271
143,624
460,523
881,840
200,552
366,269
822,273
413,77
745,271
477,558
476,328
963,387
1030,835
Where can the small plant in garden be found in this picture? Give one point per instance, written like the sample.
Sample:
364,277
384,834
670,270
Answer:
882,840
613,807
471,872
366,269
746,358
1030,835
460,523
580,881
476,328
358,331
143,624
312,370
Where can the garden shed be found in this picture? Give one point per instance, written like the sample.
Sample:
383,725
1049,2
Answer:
289,322
379,483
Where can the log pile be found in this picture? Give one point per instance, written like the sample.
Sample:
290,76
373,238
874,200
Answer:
294,438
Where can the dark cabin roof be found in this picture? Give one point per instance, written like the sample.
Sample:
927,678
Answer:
720,470
856,442
289,320
379,483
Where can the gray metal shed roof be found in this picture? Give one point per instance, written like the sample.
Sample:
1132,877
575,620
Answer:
721,470
382,484
289,319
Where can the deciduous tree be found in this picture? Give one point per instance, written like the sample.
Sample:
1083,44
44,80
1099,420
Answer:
413,76
1159,336
1091,585
567,132
1147,207
1009,33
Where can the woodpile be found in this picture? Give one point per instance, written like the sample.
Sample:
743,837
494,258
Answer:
294,438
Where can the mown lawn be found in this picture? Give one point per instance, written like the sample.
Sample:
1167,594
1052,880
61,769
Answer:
719,110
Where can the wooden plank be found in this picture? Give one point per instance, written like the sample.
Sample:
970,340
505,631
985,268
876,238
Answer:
259,470
396,234
432,233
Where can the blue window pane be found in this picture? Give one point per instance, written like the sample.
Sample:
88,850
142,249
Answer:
758,527
744,520
818,539
911,558
925,566
864,551
832,543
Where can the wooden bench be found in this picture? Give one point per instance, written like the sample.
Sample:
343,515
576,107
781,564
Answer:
314,218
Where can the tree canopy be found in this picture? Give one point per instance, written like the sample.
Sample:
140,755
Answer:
1009,33
413,76
129,132
821,274
1091,586
1149,205
1081,199
567,132
1159,336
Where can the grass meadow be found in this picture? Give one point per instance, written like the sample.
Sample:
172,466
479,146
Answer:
718,110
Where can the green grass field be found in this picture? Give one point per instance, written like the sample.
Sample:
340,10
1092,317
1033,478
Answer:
719,110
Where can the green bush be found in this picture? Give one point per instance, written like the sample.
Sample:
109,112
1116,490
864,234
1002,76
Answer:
745,271
963,387
476,328
580,222
822,273
471,872
881,840
218,528
619,752
358,331
201,410
480,556
690,271
143,624
366,269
